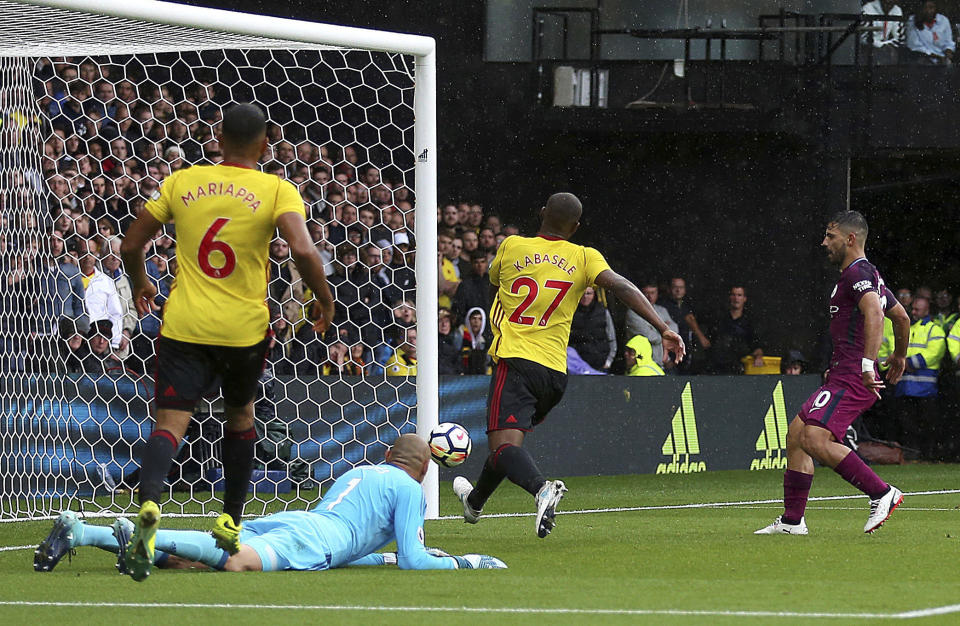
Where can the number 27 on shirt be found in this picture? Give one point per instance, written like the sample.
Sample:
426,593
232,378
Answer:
561,287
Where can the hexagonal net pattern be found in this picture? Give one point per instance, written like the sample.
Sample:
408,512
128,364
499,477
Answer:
86,139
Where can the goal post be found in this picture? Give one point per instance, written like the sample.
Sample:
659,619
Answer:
43,437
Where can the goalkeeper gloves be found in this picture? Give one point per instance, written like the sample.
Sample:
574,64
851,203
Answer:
467,561
479,561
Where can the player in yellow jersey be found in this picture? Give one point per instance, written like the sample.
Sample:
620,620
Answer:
538,282
216,321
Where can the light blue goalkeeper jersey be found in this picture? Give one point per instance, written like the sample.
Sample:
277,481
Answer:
364,510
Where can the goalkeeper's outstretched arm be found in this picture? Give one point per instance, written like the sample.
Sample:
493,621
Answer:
376,558
412,554
467,561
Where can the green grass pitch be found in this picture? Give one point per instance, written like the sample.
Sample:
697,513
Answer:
689,565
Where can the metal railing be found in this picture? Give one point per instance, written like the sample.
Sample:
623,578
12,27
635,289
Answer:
814,40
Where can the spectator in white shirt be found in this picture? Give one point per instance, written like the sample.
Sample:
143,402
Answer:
111,267
930,36
885,43
102,300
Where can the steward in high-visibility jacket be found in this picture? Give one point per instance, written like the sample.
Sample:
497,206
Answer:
640,352
926,348
886,344
953,342
946,321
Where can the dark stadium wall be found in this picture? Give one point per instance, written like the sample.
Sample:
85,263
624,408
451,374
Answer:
717,210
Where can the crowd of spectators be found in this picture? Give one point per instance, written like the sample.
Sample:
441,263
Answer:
111,136
923,37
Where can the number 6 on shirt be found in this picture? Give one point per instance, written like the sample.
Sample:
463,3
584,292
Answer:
208,245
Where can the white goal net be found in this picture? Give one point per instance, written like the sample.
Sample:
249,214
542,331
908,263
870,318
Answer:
101,101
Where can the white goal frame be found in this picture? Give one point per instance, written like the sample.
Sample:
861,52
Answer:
423,49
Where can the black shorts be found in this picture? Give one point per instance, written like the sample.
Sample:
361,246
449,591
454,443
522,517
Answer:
187,371
522,393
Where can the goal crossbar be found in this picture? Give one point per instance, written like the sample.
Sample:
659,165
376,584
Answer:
258,26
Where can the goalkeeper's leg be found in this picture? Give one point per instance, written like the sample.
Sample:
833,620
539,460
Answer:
189,545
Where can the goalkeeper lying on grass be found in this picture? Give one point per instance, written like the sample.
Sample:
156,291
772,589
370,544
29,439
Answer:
364,510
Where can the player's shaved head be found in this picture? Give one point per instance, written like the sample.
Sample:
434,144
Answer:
851,222
561,215
243,125
410,453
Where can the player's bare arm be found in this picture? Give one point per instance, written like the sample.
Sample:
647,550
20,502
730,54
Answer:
131,251
630,294
872,311
897,361
293,229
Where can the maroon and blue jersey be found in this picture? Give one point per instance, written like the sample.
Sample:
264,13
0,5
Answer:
843,397
846,320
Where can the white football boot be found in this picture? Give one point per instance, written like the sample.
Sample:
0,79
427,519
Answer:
547,499
778,527
462,487
882,508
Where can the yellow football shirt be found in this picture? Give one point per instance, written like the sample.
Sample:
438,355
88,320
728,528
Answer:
400,364
540,281
449,273
225,216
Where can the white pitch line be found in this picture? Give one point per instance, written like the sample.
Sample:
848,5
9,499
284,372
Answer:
818,508
852,508
103,514
778,502
11,548
940,610
937,610
661,507
701,505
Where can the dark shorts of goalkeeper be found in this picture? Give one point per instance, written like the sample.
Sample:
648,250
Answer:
187,372
521,394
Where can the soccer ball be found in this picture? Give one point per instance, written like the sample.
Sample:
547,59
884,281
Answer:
449,444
